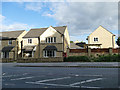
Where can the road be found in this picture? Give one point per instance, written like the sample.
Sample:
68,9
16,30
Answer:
58,77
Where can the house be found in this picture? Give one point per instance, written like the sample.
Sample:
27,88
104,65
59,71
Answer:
101,38
46,42
11,43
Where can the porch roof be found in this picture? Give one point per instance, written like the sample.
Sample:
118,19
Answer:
49,47
7,48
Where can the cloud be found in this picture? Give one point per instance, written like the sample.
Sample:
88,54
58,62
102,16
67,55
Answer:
83,18
34,6
12,26
15,26
1,18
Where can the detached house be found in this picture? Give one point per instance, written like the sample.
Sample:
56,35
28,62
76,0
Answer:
50,42
101,38
11,43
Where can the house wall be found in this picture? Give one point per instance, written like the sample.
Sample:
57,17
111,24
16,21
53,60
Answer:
14,43
51,32
59,52
34,41
67,37
104,38
66,40
19,39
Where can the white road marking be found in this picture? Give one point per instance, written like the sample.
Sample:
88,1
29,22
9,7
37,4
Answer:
15,75
53,79
11,75
61,85
86,81
88,75
51,84
88,87
21,78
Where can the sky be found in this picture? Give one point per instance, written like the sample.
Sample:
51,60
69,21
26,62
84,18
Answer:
82,18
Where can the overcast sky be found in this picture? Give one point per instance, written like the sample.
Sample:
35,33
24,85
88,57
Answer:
82,18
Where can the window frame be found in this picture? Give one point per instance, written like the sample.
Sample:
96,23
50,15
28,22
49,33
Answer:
95,39
30,41
50,40
49,53
10,42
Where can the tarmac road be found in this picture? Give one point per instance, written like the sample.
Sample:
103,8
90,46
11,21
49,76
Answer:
58,77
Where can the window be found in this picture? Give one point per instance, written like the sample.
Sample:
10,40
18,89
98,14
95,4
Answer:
49,53
5,54
29,40
50,39
46,39
54,39
10,42
95,39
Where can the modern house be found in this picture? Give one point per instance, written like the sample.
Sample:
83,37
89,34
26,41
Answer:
101,38
50,42
11,43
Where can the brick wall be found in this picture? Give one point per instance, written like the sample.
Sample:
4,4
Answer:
93,52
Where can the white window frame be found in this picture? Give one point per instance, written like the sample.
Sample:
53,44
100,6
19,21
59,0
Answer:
95,39
52,40
9,42
45,52
30,41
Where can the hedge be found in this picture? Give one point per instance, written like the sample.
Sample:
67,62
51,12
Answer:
107,58
77,59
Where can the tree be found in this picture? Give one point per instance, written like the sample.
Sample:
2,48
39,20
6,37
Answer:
118,41
71,41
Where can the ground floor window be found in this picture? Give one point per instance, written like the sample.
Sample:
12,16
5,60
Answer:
49,53
5,55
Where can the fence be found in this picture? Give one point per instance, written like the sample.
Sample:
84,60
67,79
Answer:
94,52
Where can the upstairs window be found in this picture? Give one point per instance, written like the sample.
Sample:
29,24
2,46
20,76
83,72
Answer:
95,39
50,39
54,39
29,40
10,42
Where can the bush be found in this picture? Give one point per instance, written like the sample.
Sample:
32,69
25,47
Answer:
107,58
77,59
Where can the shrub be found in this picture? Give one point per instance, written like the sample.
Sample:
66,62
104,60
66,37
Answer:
77,59
108,58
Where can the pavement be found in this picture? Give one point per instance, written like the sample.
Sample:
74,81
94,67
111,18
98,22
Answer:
72,64
58,77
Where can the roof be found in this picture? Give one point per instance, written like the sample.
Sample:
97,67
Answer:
105,29
60,29
34,33
49,47
74,46
6,38
76,41
7,48
11,34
